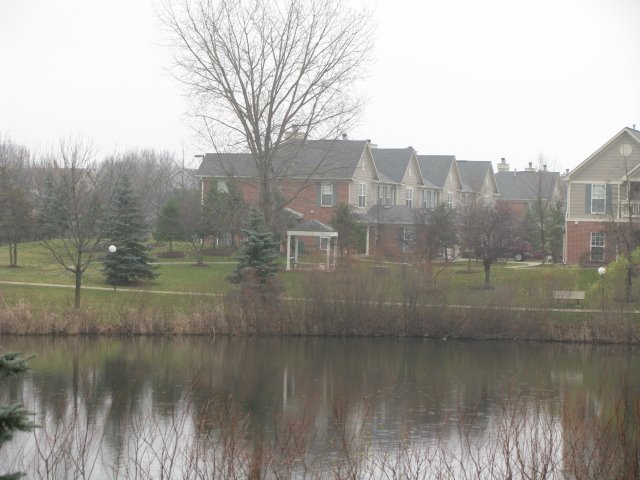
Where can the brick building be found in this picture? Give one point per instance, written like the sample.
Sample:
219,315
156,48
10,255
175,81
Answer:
603,197
386,189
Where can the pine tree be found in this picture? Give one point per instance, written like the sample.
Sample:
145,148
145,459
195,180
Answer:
257,260
169,228
13,418
125,228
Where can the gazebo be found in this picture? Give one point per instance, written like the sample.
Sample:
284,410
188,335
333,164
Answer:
313,228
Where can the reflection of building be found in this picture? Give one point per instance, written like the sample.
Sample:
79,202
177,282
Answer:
603,193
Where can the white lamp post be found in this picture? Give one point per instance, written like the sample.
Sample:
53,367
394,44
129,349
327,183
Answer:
602,271
113,249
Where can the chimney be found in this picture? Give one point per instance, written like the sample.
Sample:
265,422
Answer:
530,168
544,167
294,132
503,166
344,136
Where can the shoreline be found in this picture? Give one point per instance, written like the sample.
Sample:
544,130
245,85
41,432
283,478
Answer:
299,317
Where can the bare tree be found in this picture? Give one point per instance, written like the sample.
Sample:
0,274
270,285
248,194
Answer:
624,226
435,235
259,70
72,200
545,201
491,230
151,173
16,220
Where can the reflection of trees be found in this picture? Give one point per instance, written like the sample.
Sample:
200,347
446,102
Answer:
405,385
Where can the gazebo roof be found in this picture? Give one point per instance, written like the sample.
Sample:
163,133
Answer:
313,228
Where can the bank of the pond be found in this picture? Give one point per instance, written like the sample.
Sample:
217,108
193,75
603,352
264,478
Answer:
312,317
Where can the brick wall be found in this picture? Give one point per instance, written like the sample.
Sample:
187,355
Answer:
387,241
578,241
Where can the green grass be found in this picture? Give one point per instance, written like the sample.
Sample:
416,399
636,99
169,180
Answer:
527,287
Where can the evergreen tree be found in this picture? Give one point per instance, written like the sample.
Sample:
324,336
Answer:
169,227
351,235
13,418
257,260
126,230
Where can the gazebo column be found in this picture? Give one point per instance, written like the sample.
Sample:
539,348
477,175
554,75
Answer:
366,244
289,251
328,254
295,255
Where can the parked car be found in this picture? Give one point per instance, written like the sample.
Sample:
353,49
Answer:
519,253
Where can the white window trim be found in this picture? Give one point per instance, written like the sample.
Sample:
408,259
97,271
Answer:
592,245
408,239
602,186
322,194
409,197
450,200
362,195
223,187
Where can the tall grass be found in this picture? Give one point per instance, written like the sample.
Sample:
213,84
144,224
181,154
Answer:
357,300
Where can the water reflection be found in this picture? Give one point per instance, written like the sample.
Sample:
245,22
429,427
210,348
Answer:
389,391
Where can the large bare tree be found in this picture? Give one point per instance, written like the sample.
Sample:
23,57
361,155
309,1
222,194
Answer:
72,200
258,71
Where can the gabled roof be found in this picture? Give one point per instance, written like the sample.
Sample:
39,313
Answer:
311,226
392,162
435,168
390,214
474,174
331,159
634,134
524,185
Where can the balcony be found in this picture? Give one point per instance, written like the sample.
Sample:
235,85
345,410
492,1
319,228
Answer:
633,206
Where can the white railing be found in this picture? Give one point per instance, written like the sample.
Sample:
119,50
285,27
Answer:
634,207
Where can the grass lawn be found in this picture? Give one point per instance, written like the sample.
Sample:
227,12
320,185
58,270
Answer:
527,287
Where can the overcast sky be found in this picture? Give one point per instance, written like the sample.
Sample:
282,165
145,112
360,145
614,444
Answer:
477,79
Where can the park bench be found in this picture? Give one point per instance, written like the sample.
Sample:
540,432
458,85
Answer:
568,295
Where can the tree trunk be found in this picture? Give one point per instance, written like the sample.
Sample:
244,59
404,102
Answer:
15,254
628,281
78,274
487,271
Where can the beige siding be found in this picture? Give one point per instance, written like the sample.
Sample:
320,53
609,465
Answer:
452,185
577,203
364,173
609,165
411,179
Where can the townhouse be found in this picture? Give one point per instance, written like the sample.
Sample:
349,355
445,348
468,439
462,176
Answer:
384,187
603,194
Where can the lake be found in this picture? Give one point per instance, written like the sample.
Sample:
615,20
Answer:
193,407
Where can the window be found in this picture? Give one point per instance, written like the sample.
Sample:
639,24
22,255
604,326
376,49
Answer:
597,246
409,200
325,243
429,199
385,195
408,239
598,198
449,200
223,187
362,198
326,194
